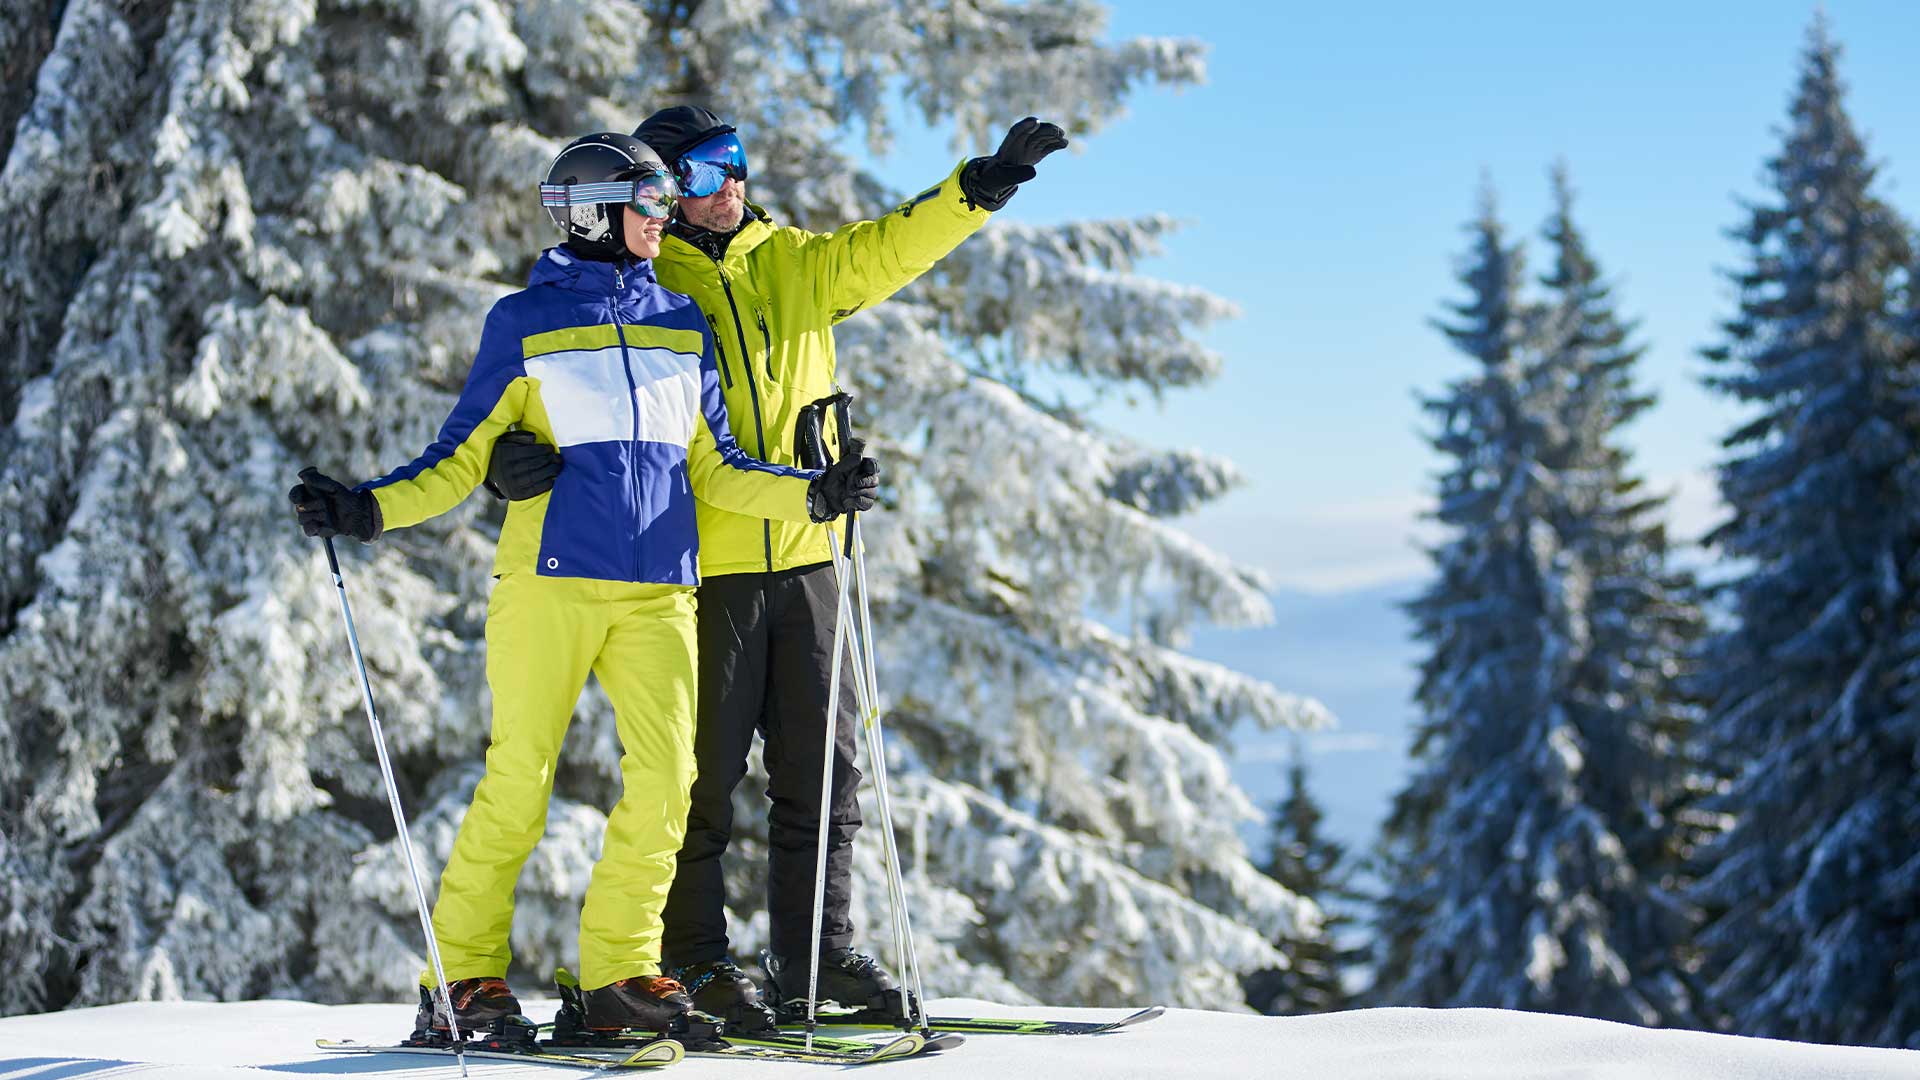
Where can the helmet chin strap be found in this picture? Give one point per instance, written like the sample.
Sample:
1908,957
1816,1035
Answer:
617,218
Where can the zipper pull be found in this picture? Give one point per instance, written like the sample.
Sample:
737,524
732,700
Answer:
619,279
766,339
719,353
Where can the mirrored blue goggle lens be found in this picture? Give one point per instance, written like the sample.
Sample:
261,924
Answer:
704,169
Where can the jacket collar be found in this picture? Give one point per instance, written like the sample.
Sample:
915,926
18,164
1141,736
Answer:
558,266
690,244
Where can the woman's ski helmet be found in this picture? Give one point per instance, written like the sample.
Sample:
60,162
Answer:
594,178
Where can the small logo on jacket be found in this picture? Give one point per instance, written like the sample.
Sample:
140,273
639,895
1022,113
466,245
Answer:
553,563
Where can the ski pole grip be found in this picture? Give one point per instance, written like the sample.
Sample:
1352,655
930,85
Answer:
842,403
843,417
808,444
333,560
809,438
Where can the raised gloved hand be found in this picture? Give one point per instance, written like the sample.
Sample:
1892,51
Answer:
327,507
522,466
847,486
990,181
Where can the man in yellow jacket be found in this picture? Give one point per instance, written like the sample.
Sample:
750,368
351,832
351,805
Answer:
771,295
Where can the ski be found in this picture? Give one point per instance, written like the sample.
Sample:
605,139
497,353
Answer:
936,1041
845,1051
981,1025
654,1054
906,1046
767,1048
826,1051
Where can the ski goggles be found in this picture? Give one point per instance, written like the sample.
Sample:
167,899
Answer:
651,194
705,168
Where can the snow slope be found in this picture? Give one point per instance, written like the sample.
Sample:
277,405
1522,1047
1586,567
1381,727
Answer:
205,1039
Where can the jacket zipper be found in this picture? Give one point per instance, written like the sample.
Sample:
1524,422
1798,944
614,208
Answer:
720,352
759,432
633,405
760,317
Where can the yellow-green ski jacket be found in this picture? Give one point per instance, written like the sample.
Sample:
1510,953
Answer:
772,301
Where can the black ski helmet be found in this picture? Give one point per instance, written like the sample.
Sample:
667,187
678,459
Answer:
678,128
595,228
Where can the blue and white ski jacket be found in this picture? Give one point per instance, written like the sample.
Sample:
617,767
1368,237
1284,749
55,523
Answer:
597,359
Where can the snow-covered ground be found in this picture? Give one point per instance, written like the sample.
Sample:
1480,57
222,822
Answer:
201,1039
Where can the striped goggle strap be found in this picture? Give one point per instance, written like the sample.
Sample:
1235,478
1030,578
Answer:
606,191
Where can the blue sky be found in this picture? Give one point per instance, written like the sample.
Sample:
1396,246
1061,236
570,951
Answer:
1358,134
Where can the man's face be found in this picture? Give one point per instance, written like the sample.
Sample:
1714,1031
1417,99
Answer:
720,211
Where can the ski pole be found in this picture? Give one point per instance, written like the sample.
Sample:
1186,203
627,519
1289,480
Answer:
393,800
812,453
876,750
883,796
832,727
902,927
854,566
865,695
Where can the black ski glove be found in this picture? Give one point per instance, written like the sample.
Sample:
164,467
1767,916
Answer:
847,486
989,182
522,466
327,507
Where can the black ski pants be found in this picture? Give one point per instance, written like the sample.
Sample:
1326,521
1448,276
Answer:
765,642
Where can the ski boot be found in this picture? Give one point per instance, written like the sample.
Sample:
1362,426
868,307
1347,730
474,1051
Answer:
629,1013
488,1015
721,988
848,979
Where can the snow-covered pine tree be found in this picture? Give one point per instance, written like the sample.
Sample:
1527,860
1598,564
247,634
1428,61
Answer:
1479,431
1626,688
245,235
1542,759
1310,865
1477,615
1815,892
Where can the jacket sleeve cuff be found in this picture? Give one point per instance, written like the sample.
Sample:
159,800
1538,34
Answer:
381,513
977,195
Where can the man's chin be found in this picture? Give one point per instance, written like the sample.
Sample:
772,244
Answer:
719,220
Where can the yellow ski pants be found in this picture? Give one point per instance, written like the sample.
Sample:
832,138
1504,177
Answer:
543,636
